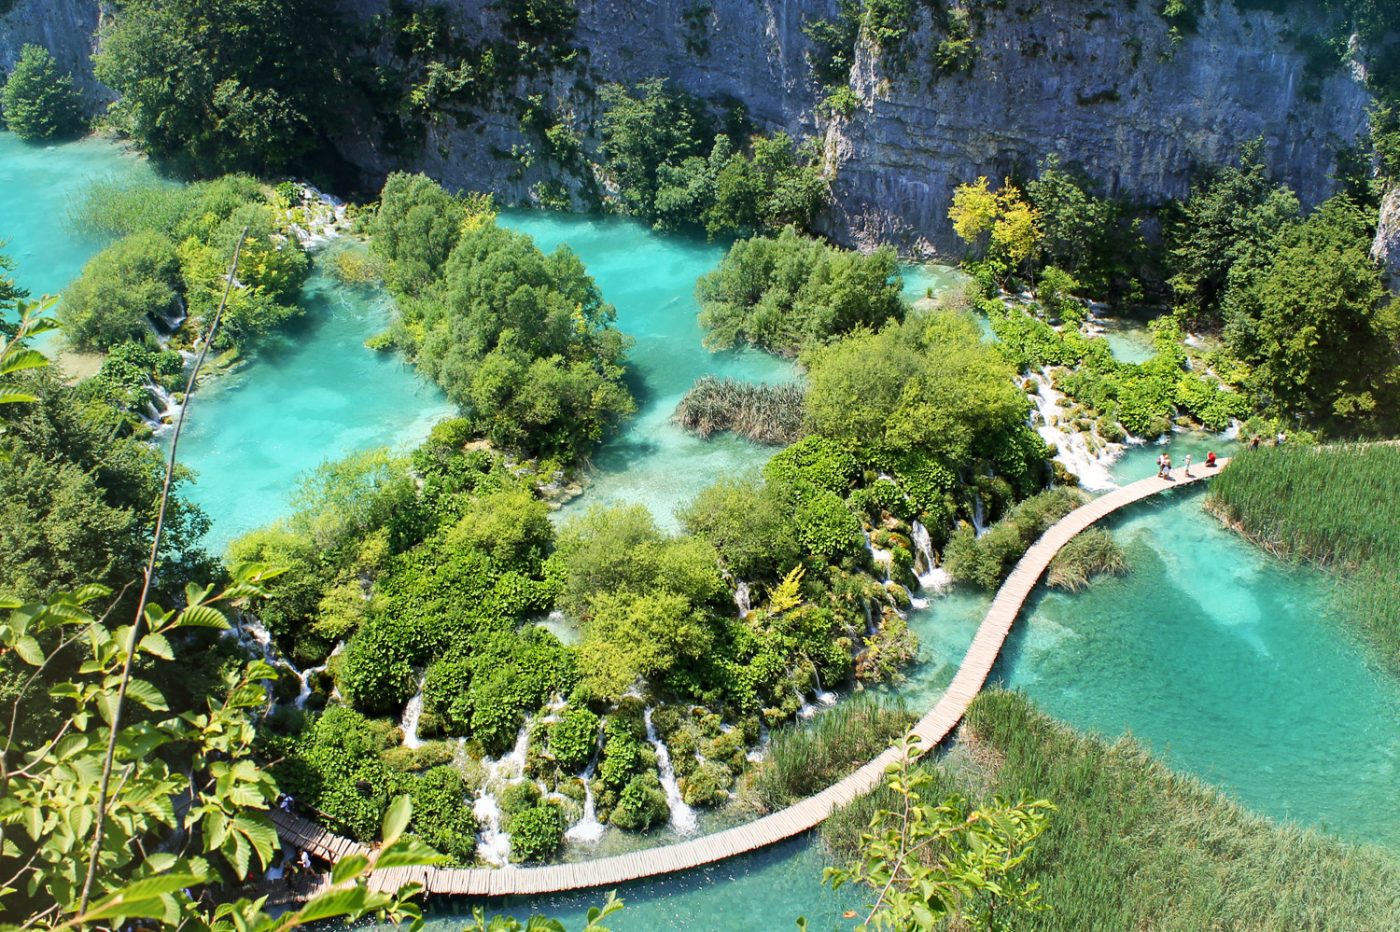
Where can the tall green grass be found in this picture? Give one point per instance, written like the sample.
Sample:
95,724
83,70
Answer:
763,413
1135,846
1338,506
807,757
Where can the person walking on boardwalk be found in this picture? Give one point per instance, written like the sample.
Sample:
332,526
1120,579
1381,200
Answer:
1210,459
1254,442
1166,465
1188,464
1161,465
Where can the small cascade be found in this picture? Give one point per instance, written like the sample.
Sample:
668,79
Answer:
409,724
979,520
933,577
742,598
163,408
588,829
880,556
761,749
682,816
1073,451
869,618
806,709
493,842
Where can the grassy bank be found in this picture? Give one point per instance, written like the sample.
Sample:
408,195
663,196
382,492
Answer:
1135,846
1338,506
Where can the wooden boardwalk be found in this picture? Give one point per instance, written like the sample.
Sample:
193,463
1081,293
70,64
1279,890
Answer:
931,730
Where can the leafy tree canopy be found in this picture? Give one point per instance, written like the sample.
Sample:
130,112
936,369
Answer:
37,101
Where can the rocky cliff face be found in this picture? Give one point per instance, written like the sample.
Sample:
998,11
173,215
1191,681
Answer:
1387,246
67,28
1100,82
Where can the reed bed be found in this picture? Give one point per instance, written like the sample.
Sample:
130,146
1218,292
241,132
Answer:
1091,553
1135,846
772,414
807,757
1337,506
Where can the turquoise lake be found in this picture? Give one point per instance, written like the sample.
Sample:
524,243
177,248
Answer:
1226,661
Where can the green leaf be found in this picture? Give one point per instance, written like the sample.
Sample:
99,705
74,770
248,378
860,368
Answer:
396,819
29,651
147,695
353,902
352,865
408,852
157,645
201,616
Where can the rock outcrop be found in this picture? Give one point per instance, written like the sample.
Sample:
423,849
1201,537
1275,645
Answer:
67,28
1387,246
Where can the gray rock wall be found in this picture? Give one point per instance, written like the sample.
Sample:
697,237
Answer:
66,28
1097,81
1387,246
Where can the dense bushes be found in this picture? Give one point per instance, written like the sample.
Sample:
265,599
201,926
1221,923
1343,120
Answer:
263,92
36,100
123,290
985,560
672,168
789,293
441,815
521,341
201,224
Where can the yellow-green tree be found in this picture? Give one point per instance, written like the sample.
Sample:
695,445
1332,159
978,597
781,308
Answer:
1003,227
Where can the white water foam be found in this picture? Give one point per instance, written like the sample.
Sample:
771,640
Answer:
683,819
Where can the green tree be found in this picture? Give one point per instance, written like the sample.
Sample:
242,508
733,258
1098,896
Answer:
120,293
933,863
1313,323
643,128
1227,222
631,637
788,293
224,85
37,101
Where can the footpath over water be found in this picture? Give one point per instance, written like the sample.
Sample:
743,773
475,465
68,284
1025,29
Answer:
931,730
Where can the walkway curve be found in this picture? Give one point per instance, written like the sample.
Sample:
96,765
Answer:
931,730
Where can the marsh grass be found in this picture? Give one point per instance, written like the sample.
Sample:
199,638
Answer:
1337,506
807,757
771,414
1135,846
1091,553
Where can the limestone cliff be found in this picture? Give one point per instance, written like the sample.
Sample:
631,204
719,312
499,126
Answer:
1387,245
1100,82
67,28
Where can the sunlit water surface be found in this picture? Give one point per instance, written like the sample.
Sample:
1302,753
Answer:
1227,661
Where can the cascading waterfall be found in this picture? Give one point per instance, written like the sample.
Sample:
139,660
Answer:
761,749
304,693
1072,448
411,714
493,842
979,521
742,598
869,617
588,829
683,819
933,576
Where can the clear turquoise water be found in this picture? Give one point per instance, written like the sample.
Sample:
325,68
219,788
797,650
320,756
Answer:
1223,659
38,185
1128,340
650,279
313,393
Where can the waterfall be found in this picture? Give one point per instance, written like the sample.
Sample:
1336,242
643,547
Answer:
806,709
979,521
1072,448
933,577
882,558
493,843
304,693
411,713
682,816
869,618
588,829
758,753
741,600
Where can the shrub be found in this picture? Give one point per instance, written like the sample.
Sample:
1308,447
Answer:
641,804
36,101
985,560
442,816
121,291
750,526
788,293
537,833
573,739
